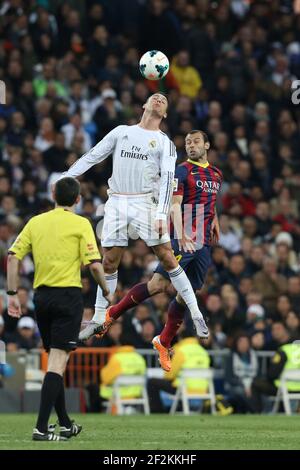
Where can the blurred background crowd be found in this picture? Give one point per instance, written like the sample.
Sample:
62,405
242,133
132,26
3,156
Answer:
71,74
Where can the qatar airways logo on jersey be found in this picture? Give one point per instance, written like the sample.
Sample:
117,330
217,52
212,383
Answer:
134,153
208,186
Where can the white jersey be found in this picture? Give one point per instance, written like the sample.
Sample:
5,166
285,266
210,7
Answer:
143,162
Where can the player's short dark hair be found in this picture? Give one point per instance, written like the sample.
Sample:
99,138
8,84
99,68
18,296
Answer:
66,191
204,135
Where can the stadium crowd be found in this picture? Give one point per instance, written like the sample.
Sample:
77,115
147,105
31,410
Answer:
71,74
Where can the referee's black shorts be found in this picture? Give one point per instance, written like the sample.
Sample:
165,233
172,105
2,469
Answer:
59,313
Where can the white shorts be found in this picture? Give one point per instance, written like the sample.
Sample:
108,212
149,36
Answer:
128,218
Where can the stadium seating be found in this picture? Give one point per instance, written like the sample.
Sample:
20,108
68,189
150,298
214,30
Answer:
283,394
183,395
118,403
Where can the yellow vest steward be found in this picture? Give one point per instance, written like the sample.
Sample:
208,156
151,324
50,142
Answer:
126,361
292,352
188,354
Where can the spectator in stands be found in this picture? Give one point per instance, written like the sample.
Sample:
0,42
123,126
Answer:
258,341
88,292
75,128
133,324
158,28
283,307
236,203
236,269
146,335
263,217
28,201
228,238
279,336
107,115
241,369
46,136
283,260
255,261
292,323
26,336
112,339
214,309
187,77
255,314
129,273
269,283
293,290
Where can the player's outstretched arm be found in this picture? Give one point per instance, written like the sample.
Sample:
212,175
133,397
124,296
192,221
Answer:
97,154
185,242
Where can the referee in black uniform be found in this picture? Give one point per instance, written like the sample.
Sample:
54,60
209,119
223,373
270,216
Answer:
60,241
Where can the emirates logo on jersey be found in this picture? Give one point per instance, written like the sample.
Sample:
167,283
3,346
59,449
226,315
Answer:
134,153
208,186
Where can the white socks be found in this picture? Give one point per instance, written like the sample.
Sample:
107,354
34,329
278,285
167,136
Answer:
101,302
183,286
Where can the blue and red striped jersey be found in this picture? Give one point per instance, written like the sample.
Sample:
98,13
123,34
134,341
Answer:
199,184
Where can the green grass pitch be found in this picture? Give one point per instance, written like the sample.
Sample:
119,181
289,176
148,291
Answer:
161,432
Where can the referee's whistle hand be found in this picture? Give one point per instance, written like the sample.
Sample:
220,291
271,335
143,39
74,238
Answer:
13,306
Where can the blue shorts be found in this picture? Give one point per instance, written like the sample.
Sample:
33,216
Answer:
194,264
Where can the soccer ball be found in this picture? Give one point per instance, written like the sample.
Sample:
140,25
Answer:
154,65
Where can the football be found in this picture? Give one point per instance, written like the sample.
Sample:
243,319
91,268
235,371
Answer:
154,65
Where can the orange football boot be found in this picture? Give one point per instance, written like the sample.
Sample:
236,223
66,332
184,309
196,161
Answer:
164,354
103,329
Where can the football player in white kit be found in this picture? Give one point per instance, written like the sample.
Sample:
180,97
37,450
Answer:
140,191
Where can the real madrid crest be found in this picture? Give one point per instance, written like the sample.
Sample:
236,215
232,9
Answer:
152,144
